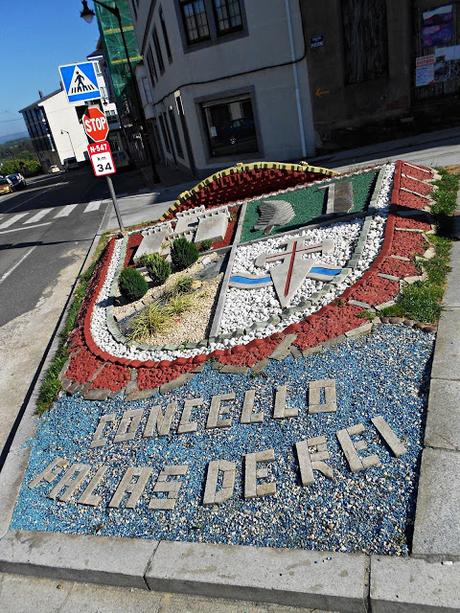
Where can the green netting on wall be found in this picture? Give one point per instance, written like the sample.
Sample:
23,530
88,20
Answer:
113,43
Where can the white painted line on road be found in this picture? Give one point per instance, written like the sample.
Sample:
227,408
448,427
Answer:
18,263
66,210
11,220
93,206
37,225
40,193
38,216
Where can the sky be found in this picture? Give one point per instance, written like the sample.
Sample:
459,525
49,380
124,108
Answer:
35,37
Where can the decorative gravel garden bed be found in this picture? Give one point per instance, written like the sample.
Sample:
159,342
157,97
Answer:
279,405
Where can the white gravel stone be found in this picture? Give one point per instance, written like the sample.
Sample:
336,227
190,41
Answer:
245,307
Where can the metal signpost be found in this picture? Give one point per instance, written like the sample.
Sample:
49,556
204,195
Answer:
97,128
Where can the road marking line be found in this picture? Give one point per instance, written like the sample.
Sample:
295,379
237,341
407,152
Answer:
11,220
65,211
40,193
38,216
18,263
93,206
37,225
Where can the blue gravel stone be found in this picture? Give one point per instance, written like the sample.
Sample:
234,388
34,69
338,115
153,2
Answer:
386,373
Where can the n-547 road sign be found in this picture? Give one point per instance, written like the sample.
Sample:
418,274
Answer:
95,124
101,158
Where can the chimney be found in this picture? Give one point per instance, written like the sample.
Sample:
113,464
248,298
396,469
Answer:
40,93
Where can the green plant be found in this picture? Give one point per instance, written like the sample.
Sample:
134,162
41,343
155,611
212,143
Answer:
179,304
142,261
154,319
51,384
183,254
445,197
132,284
183,286
205,245
158,268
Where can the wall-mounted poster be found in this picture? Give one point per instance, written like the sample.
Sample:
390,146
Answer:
447,64
424,70
437,26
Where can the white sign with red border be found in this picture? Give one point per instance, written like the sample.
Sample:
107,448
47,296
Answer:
101,158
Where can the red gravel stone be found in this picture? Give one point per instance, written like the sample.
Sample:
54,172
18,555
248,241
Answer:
399,268
82,366
375,290
112,377
408,244
415,224
415,185
419,172
412,201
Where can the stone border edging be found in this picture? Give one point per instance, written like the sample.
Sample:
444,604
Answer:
330,581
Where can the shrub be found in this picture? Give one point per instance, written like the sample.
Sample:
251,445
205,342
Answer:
179,304
183,286
205,245
152,320
132,284
157,267
183,254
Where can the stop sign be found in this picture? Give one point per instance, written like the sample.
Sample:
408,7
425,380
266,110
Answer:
95,124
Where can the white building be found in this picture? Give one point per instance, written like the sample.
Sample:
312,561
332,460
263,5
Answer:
228,80
55,130
55,127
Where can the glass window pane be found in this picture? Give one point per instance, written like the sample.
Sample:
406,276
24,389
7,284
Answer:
230,127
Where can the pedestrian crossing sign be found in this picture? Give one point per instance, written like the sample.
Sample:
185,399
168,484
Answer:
80,81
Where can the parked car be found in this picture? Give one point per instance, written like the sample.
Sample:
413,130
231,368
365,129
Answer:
5,186
17,180
121,160
54,168
70,164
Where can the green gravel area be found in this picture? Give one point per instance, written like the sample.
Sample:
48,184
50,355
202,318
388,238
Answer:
308,204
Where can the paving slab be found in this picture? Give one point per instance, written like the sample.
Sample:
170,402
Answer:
443,418
19,594
452,294
408,585
92,559
446,361
437,529
331,581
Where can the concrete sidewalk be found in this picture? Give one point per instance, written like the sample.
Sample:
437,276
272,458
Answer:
19,594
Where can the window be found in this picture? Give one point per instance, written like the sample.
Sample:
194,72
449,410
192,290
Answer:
195,20
230,127
228,16
365,39
151,66
165,35
166,140
175,132
159,55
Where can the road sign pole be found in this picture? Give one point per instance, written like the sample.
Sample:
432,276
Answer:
115,202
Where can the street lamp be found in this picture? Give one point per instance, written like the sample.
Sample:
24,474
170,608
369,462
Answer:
88,15
71,143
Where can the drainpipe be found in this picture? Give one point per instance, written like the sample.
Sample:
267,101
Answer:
296,80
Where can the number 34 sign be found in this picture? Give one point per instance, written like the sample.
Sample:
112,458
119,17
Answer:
101,158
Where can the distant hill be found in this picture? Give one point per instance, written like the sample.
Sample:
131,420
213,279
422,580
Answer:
6,138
